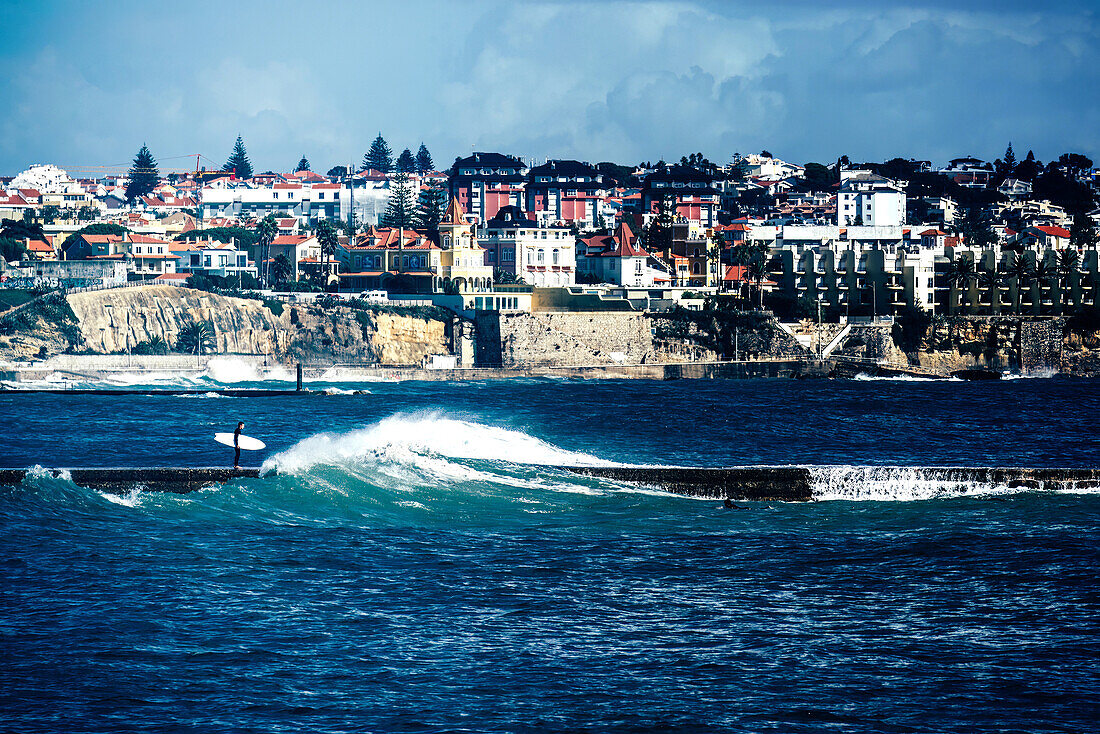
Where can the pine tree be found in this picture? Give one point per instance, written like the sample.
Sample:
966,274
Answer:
238,162
1010,159
430,207
379,157
405,162
303,165
400,210
424,162
143,174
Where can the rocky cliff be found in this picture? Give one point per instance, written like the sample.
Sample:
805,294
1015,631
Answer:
118,320
1028,345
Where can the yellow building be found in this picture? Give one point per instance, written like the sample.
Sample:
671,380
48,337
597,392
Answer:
463,259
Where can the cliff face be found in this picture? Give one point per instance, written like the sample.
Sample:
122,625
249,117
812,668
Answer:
116,320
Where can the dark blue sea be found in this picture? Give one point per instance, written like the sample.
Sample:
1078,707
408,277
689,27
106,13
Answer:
404,567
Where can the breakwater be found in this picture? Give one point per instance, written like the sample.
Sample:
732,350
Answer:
750,483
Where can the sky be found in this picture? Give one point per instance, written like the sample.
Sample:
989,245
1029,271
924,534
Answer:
85,84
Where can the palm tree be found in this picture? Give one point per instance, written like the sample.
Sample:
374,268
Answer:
266,229
958,274
1067,269
327,238
1019,272
196,337
756,271
992,280
1044,273
282,269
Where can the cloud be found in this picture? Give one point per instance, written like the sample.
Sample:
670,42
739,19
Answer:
623,81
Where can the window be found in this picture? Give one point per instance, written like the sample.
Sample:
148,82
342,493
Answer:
490,256
555,257
507,255
542,256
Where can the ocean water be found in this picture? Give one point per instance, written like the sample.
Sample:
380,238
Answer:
407,565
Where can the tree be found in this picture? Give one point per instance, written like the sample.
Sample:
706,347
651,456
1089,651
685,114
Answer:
49,213
266,231
143,175
992,280
1010,160
1074,164
1067,271
238,162
756,271
12,250
1082,235
328,240
958,275
17,230
401,209
196,337
379,157
430,207
1020,273
424,162
282,269
303,165
87,213
1029,168
817,177
975,228
406,163
337,172
1044,273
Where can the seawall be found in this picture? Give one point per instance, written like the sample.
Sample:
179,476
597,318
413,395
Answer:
755,483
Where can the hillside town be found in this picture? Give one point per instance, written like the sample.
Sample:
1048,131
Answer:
493,231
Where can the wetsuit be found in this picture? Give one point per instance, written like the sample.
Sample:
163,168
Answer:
236,448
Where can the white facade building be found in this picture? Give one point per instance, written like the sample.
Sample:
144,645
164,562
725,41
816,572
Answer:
540,256
868,199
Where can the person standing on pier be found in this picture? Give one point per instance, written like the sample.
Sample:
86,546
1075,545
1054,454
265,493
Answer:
237,445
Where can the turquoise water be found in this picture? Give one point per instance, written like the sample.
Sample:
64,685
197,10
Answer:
409,567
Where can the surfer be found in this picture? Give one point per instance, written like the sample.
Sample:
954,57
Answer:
727,504
237,445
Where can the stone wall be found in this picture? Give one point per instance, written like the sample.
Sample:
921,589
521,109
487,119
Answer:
573,339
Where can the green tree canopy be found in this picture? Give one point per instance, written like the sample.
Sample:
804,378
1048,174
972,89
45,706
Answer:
143,175
303,165
238,162
379,157
337,172
818,177
424,162
401,210
406,163
430,206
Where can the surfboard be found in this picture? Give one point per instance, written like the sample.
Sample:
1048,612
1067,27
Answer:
245,442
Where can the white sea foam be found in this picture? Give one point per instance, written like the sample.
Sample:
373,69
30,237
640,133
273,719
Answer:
416,439
898,484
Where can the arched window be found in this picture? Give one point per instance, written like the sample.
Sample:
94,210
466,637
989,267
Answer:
695,269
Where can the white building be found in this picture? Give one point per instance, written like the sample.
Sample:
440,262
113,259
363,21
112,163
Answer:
866,198
539,256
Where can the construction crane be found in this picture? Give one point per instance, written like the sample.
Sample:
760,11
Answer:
122,169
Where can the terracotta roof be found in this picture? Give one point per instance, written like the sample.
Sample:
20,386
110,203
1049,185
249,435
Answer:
289,239
38,246
1053,231
173,276
932,233
454,214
